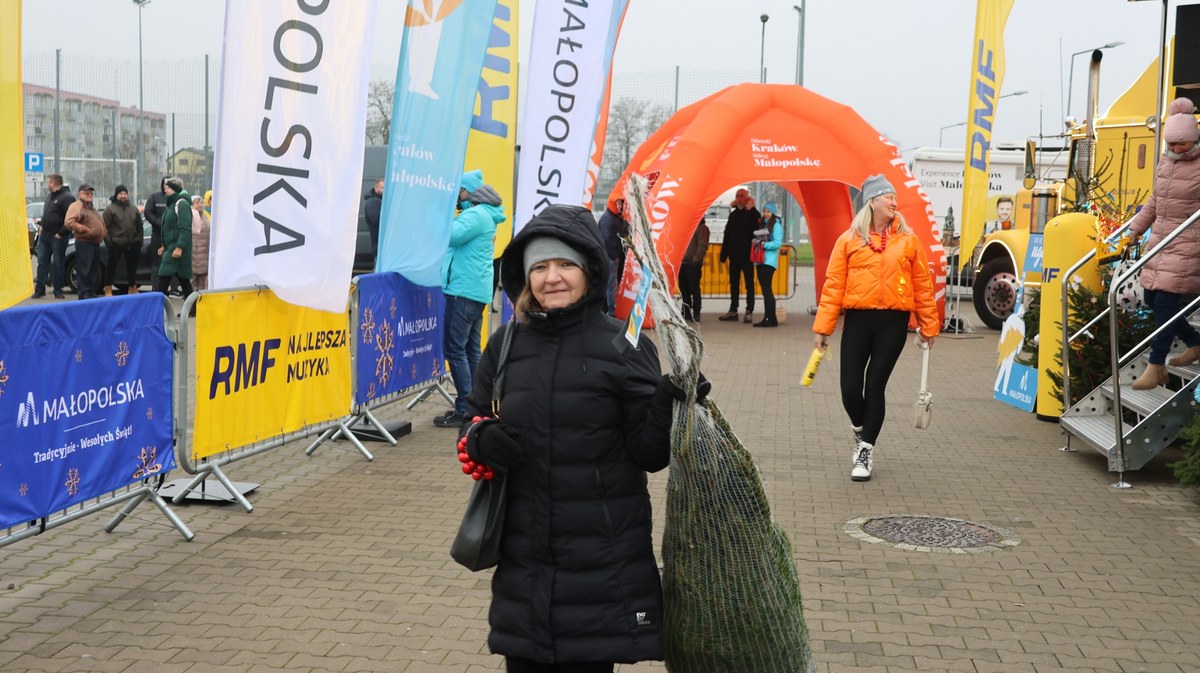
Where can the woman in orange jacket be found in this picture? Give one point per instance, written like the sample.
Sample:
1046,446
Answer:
877,276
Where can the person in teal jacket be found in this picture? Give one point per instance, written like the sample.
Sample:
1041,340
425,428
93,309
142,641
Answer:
770,237
467,285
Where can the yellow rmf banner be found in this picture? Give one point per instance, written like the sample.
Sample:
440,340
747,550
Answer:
492,141
987,75
16,273
265,368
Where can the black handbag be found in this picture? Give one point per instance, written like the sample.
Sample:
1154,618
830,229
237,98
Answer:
476,546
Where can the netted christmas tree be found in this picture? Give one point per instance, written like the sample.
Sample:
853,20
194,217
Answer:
1188,469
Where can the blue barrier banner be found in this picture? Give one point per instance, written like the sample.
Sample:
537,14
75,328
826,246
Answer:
85,402
399,335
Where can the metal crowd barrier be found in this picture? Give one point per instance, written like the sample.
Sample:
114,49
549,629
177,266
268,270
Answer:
131,494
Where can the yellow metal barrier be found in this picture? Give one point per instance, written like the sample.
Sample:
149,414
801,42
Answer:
714,281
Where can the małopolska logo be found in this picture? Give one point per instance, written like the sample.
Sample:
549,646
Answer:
69,406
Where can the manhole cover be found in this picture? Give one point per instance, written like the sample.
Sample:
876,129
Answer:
930,533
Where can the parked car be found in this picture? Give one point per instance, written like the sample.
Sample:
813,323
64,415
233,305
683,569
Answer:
143,269
33,215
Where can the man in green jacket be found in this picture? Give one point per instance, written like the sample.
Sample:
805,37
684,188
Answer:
467,285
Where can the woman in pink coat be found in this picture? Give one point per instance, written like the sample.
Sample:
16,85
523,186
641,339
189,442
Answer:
1175,272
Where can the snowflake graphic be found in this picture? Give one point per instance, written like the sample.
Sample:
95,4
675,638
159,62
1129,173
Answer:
392,309
414,371
72,482
150,413
24,490
384,342
371,391
79,356
3,378
122,354
367,325
146,464
437,369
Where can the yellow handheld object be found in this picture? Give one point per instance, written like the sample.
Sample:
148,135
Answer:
810,371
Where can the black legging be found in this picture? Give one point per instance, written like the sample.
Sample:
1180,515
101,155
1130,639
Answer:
162,283
766,274
741,269
126,255
871,343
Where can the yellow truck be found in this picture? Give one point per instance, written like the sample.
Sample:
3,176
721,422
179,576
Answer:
1115,155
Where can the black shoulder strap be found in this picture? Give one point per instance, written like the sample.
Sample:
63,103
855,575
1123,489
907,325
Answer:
498,385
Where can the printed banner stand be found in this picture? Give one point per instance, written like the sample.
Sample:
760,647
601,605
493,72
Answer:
97,432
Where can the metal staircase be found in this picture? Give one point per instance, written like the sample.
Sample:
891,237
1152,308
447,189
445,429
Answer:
1145,421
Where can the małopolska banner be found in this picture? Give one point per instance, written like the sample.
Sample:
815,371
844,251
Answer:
436,82
570,57
265,368
16,273
399,343
987,76
290,135
85,402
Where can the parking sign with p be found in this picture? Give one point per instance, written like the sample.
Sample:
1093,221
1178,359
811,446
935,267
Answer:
34,162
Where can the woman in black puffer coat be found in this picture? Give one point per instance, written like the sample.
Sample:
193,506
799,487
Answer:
583,416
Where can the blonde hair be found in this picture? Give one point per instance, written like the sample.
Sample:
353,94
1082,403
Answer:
861,224
525,302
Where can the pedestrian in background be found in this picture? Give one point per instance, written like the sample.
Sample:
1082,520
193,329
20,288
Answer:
53,237
154,209
467,285
691,268
374,206
124,241
770,238
201,228
1174,273
581,422
88,227
735,249
176,250
613,229
878,277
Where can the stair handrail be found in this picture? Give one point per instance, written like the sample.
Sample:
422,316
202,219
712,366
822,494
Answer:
1068,338
1114,345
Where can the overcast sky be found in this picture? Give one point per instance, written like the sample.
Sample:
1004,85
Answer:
902,64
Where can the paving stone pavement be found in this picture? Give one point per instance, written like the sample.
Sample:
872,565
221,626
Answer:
343,565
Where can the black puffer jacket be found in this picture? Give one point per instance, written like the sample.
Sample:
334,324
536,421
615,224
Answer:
739,232
577,579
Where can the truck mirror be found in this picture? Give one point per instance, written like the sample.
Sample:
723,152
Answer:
1030,178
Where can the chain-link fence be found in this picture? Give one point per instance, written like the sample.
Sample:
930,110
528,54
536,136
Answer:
96,138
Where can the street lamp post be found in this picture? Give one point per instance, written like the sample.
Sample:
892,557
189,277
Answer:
800,44
950,126
141,4
762,51
1071,77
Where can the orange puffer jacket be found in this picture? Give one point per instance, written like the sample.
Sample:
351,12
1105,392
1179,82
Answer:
860,278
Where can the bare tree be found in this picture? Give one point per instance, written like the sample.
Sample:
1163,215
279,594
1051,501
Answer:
630,122
379,111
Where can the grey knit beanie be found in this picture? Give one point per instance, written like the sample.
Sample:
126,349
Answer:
876,185
542,248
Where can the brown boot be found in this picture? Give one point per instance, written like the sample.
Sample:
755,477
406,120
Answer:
107,290
1185,358
133,289
1153,377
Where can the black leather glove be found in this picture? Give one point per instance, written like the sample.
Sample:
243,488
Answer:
495,444
667,388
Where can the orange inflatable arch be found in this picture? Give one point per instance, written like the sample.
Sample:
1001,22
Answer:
812,146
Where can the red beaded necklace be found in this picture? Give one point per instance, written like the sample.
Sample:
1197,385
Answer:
883,238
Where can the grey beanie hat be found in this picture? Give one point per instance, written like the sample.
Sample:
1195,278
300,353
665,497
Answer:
876,185
542,248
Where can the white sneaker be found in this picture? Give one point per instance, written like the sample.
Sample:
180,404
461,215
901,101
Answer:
863,462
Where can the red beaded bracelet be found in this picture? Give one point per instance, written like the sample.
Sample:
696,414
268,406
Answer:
476,470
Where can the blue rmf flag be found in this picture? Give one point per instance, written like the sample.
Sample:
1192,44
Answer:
436,83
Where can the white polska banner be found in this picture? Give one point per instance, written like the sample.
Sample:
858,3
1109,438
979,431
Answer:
289,152
570,57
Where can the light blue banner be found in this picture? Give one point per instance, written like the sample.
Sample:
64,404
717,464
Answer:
436,83
85,402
